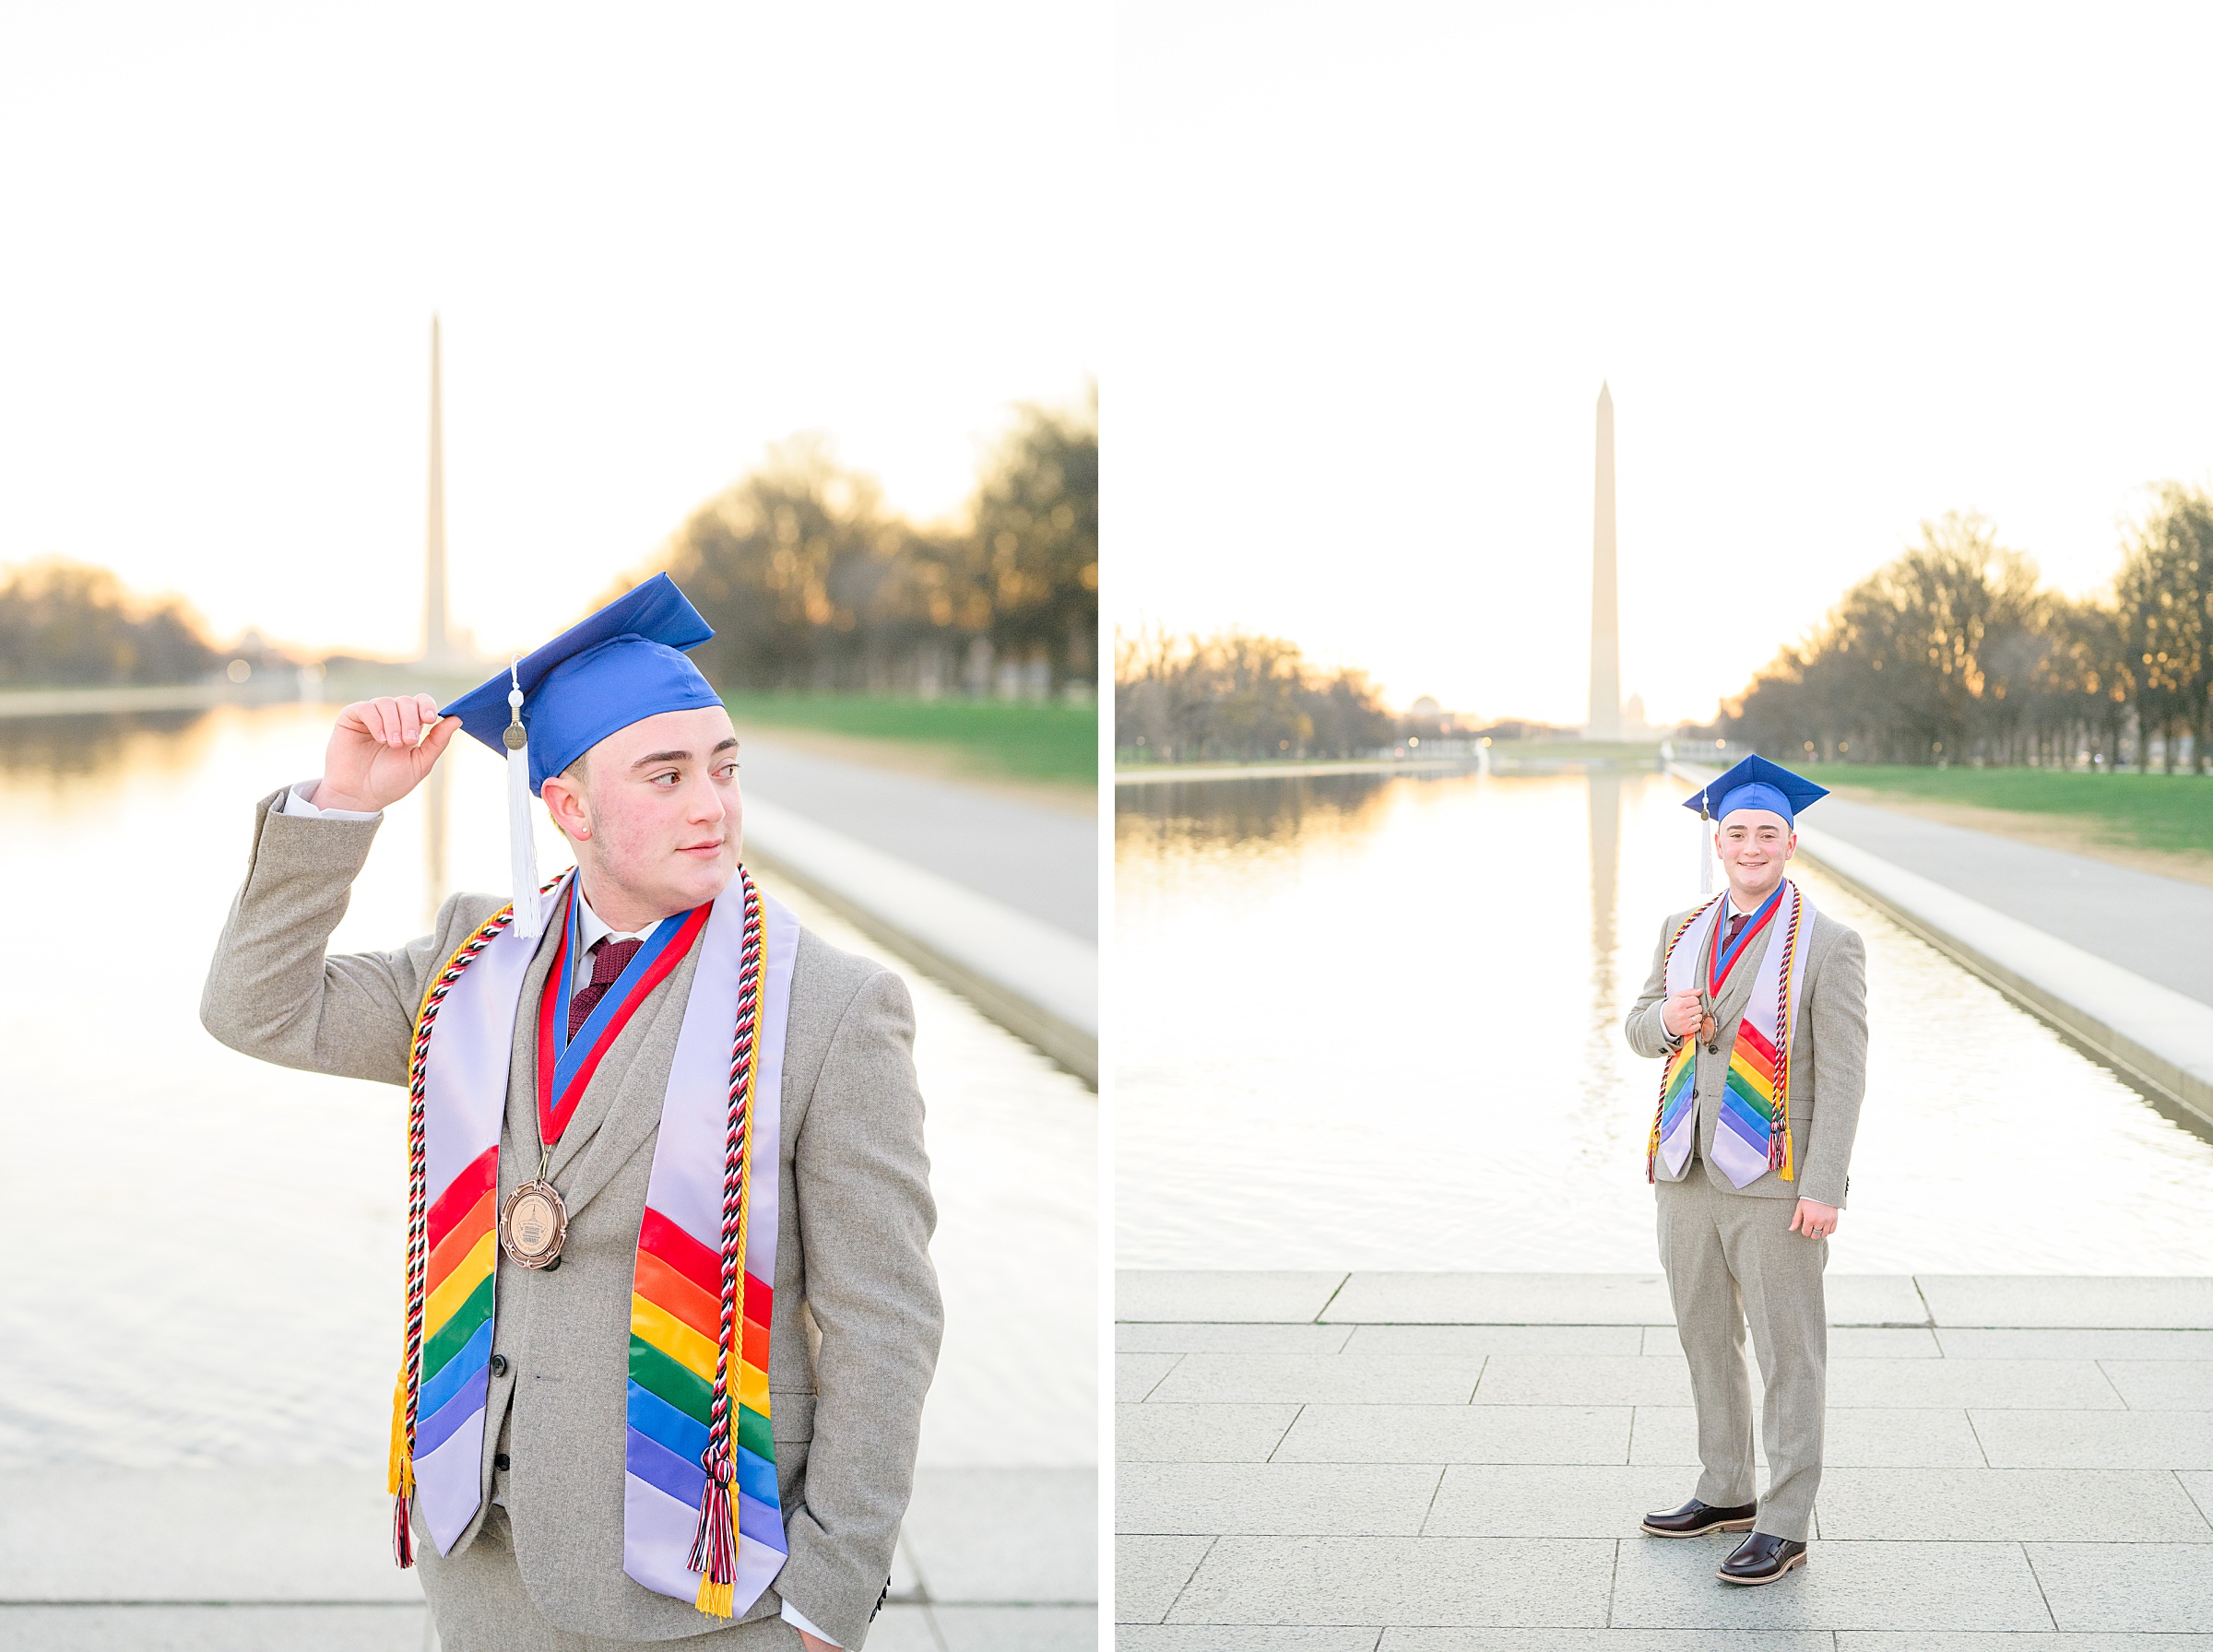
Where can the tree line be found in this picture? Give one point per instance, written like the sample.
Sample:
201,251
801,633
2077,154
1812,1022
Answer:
813,582
1954,652
1237,695
63,624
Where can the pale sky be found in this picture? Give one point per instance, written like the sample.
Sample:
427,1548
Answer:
1846,269
660,237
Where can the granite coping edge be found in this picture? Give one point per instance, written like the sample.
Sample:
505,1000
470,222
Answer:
1039,983
1949,1302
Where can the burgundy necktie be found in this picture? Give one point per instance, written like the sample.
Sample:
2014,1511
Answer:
1736,927
609,959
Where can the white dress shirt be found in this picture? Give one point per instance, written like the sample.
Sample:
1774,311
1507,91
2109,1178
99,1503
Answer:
595,929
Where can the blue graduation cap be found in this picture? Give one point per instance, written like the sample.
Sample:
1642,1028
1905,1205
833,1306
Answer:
618,666
1756,783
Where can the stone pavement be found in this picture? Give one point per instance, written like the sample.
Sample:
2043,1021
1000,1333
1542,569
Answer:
242,1560
2155,926
1038,860
1408,1462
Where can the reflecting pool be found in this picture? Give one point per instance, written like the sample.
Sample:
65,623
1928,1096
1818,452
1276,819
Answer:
1374,1021
203,1251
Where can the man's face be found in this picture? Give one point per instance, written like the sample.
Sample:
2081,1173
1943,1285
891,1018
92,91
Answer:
1754,843
663,809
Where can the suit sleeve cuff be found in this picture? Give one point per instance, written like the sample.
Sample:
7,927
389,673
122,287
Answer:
295,802
799,1619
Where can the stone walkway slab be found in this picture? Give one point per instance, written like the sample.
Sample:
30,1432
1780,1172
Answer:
2163,1385
1508,1380
1149,1572
1400,1580
1338,1379
1873,1299
1541,1341
1550,1500
2029,1301
2035,1385
1503,1299
2160,1589
1241,1638
1202,1337
1275,1499
2096,1439
1200,1434
1603,1640
1853,1439
1876,1641
1849,1343
1968,1344
1148,1293
2119,1505
1667,1585
1136,1374
1444,1433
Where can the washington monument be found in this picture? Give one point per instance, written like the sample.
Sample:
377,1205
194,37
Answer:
437,643
1605,619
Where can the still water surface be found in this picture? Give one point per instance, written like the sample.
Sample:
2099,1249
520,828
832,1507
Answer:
203,1252
1375,1022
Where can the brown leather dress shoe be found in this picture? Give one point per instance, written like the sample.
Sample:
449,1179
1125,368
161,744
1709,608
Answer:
1696,1519
1762,1558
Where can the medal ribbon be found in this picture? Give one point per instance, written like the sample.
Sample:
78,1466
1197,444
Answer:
565,1065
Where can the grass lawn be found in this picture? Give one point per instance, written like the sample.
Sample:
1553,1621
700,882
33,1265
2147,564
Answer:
1055,742
2172,812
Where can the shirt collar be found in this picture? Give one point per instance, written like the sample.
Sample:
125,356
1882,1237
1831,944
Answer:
596,928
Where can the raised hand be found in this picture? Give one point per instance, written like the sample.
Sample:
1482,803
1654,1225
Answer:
379,751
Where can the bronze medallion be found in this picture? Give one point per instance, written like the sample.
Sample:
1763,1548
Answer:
533,1222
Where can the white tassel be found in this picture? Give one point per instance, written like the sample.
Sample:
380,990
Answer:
522,843
1705,857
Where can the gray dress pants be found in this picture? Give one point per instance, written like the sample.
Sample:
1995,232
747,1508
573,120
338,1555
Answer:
1730,1258
478,1603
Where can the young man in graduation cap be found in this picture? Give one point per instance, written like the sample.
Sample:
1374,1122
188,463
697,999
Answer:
1759,1006
670,1313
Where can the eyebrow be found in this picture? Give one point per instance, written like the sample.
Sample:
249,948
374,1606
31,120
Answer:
682,757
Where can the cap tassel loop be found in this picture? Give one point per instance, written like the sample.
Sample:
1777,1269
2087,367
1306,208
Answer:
522,843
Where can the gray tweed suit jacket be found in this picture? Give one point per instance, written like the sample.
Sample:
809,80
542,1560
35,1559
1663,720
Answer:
854,1339
1828,1062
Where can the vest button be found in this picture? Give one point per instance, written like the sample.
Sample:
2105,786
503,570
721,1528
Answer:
498,1364
500,1462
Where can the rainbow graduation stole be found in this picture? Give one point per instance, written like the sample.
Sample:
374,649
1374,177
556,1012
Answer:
1752,1134
701,1520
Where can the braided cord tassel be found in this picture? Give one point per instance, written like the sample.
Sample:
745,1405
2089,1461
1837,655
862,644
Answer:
1779,1140
1652,1146
715,1542
399,1475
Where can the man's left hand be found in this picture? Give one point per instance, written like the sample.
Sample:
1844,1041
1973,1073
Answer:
815,1643
1813,1219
